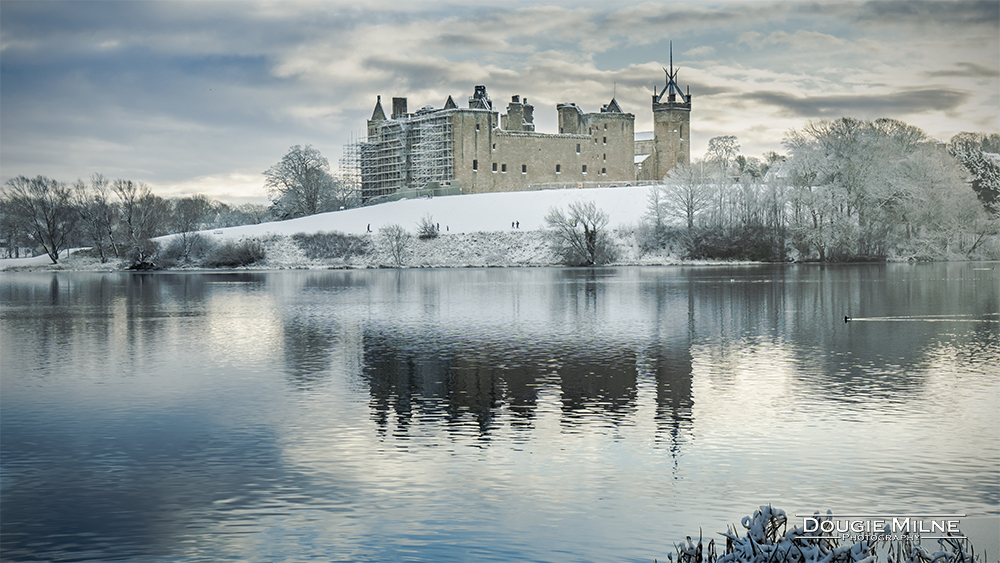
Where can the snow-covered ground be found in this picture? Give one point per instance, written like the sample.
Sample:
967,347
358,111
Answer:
460,213
476,230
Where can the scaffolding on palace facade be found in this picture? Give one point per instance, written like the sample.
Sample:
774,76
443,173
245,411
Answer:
406,153
432,150
350,173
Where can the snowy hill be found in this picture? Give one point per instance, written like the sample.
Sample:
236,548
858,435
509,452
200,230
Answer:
461,213
476,230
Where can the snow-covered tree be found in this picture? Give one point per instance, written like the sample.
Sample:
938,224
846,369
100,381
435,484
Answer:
395,241
301,184
980,155
685,193
579,237
861,188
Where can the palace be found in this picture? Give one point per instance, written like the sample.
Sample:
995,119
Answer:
475,150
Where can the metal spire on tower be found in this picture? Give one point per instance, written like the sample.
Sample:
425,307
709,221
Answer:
672,89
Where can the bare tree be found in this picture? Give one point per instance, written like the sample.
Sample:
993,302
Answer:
144,215
190,214
579,237
98,215
685,193
44,208
396,241
301,183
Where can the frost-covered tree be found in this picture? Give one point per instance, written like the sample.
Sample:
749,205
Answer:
685,193
395,242
979,153
301,184
857,187
579,237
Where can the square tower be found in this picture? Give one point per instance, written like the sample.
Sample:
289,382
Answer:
671,126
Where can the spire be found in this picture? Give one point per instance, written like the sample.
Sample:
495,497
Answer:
672,89
450,104
378,114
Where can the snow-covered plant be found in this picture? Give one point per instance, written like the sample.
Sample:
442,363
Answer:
426,228
767,539
394,241
580,237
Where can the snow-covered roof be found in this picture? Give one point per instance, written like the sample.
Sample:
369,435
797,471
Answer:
639,158
643,135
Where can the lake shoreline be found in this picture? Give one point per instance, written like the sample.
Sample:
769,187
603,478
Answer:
496,249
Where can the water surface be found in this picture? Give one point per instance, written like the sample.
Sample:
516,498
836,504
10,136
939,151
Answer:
486,414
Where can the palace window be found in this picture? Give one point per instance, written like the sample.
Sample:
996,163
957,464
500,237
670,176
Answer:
475,165
524,169
558,169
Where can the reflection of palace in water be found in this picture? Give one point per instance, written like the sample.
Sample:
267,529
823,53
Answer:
588,383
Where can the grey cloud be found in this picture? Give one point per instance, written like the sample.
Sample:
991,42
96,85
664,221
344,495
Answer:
686,16
889,105
939,13
965,70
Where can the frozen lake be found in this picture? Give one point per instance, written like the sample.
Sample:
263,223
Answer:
487,414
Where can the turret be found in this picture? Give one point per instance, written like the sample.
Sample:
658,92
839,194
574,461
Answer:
671,124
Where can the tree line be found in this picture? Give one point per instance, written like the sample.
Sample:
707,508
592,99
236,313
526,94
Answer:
847,190
118,218
115,218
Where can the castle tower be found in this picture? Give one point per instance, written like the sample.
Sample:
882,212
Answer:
671,125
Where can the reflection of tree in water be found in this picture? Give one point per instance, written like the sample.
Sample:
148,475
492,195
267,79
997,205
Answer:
599,381
307,349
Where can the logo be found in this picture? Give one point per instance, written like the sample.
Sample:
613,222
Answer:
881,527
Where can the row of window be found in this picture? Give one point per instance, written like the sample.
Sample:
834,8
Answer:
524,168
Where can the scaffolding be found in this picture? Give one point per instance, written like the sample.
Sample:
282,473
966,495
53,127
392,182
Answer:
432,151
350,173
411,152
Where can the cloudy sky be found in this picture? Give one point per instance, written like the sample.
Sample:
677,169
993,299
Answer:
201,97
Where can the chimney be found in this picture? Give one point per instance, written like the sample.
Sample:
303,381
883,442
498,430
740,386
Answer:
398,108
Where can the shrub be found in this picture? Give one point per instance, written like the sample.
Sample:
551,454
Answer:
747,243
426,228
232,254
188,247
319,246
143,255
